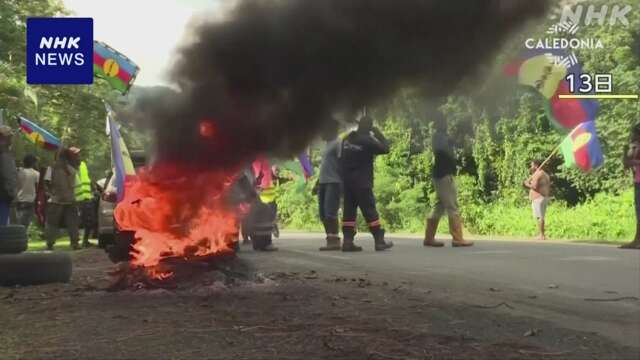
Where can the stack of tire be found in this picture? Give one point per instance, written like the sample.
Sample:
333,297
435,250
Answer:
18,267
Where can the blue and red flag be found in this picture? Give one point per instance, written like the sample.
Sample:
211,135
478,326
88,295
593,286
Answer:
38,135
581,148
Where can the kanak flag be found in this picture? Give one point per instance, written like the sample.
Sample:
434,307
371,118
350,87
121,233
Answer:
118,70
546,72
39,136
581,148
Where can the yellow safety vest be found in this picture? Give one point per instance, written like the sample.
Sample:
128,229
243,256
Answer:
268,195
83,183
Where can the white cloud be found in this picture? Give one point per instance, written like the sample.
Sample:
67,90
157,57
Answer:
147,31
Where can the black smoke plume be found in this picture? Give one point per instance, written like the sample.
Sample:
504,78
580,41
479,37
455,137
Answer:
267,75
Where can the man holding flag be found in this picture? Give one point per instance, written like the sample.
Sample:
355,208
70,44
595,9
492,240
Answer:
539,186
581,149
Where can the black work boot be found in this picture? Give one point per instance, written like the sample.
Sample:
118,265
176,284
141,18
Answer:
347,243
378,236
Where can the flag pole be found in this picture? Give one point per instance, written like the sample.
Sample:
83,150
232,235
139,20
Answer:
553,153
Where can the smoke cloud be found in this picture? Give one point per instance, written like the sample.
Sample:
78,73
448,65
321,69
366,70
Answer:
267,75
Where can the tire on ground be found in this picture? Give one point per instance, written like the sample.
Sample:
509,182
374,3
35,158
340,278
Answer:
260,242
105,240
35,268
120,249
13,239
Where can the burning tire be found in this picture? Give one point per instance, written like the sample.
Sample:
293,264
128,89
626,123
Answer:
13,239
104,240
34,268
120,248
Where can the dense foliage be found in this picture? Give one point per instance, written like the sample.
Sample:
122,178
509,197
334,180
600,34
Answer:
498,127
74,113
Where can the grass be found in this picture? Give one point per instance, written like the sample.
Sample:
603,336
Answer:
36,242
61,244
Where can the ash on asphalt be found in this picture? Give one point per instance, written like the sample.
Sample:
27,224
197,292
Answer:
266,314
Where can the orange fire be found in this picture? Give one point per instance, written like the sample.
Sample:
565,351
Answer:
177,212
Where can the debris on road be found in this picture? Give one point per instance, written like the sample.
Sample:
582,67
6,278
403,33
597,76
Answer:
243,318
532,332
311,275
632,298
494,306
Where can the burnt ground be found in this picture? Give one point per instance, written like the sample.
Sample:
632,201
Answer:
253,313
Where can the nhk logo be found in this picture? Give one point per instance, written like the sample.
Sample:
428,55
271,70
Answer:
53,58
59,50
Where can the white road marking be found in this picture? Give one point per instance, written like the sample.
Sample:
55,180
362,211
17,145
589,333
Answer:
492,252
587,258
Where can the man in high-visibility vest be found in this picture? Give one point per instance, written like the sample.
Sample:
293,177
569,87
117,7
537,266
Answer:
85,200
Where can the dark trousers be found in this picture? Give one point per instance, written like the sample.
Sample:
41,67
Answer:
88,219
329,200
363,198
24,213
66,214
4,212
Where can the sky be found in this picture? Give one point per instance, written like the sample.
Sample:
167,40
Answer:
146,31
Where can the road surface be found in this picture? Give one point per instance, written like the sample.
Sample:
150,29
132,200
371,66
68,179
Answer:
591,288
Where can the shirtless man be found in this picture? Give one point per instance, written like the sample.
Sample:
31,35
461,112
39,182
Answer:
539,185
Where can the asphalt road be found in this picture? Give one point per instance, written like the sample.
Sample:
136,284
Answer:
592,288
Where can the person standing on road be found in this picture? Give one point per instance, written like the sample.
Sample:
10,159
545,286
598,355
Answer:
28,178
41,196
357,154
8,174
330,188
444,171
631,160
62,204
539,185
84,200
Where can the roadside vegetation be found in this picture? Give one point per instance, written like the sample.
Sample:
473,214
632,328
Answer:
499,127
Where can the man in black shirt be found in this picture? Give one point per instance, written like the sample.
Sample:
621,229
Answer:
444,171
358,151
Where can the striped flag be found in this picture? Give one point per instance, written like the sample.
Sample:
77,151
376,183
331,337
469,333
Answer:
120,158
38,135
581,148
546,72
118,70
